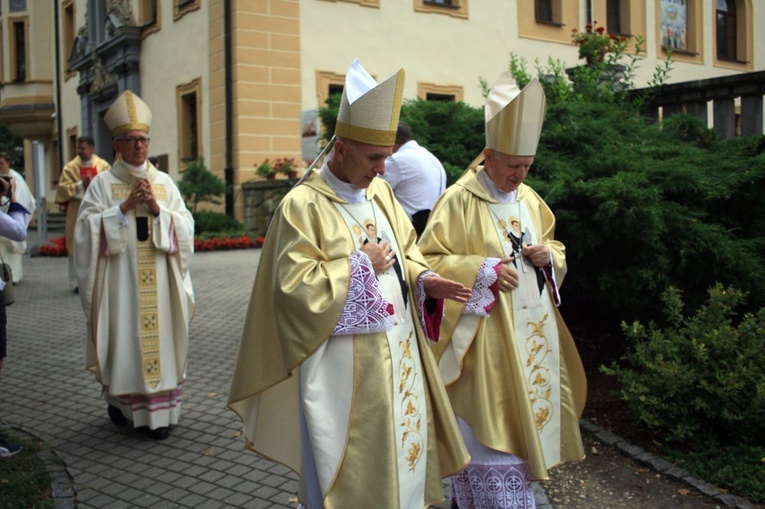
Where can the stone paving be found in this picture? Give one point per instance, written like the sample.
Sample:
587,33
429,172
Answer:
46,391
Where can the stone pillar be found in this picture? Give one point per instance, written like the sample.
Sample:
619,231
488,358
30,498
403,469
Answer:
724,116
671,108
751,115
697,109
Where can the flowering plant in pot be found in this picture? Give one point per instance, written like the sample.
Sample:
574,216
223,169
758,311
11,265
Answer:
266,169
595,43
288,166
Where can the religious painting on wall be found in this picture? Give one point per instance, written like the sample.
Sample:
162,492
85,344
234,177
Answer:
674,24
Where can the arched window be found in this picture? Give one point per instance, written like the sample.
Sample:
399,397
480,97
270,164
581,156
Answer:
727,24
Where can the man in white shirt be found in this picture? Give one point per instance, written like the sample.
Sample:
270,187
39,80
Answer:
416,176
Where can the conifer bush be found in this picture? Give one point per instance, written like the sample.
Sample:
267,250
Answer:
642,207
453,131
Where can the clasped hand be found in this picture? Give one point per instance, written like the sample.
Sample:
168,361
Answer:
141,193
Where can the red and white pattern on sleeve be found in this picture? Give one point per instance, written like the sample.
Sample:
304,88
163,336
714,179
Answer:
430,319
366,310
485,289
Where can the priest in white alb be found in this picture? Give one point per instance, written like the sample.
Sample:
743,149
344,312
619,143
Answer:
333,376
509,363
134,239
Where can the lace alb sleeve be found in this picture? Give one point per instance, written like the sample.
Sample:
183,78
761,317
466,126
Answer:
485,289
366,310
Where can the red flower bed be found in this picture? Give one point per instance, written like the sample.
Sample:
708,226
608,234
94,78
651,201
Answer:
243,242
57,246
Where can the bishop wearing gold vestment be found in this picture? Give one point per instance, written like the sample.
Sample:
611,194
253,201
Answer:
333,376
510,365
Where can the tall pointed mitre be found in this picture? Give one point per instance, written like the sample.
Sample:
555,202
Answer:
369,111
514,117
128,113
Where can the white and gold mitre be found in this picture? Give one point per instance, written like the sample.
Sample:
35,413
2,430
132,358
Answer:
514,117
128,113
369,111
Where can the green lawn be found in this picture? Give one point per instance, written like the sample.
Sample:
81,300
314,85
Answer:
24,481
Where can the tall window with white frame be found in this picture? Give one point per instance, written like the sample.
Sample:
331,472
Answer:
727,23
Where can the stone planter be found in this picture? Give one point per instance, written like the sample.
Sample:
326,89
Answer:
611,75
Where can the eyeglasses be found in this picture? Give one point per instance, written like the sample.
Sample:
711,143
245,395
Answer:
136,141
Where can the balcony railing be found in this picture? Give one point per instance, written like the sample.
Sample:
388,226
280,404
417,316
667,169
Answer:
722,94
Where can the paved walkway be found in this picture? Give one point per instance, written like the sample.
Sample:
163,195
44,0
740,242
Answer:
47,392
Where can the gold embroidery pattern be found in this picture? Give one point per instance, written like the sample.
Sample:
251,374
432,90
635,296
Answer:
411,438
148,306
120,191
538,373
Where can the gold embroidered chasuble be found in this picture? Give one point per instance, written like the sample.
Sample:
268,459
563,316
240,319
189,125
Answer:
299,294
488,368
67,193
135,286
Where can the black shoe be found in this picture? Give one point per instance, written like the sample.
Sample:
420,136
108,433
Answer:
454,504
116,415
158,434
76,289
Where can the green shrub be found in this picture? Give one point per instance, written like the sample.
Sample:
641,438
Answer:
198,184
700,380
208,222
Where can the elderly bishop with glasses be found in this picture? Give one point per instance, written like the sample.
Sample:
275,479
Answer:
134,240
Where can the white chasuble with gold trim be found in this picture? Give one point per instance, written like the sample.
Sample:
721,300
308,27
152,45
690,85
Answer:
536,329
134,285
329,414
